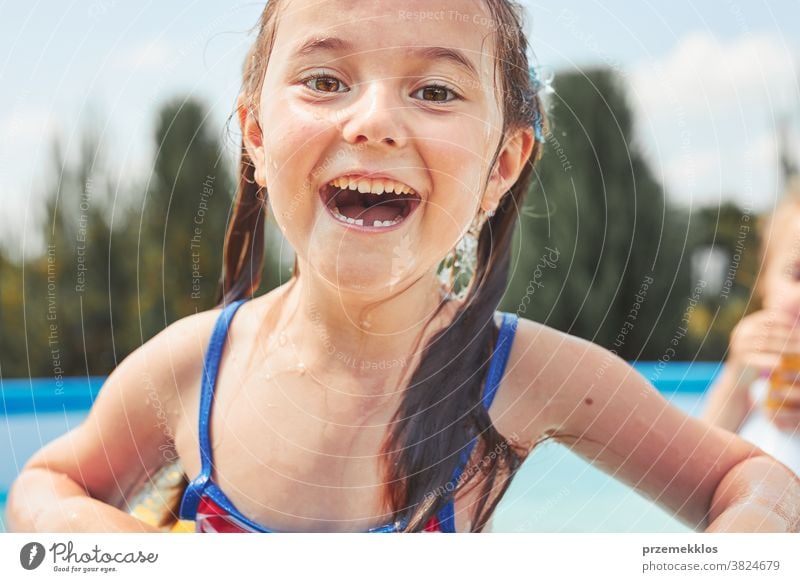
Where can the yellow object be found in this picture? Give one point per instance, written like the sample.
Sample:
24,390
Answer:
781,380
155,502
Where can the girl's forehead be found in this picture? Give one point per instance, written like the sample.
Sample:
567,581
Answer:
387,28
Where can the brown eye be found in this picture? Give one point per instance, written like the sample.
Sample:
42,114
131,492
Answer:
437,94
325,84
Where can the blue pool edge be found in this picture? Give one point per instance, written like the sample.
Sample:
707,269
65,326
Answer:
41,395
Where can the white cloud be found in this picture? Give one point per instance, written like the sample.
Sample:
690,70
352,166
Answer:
27,125
146,56
26,134
746,173
702,74
686,170
708,113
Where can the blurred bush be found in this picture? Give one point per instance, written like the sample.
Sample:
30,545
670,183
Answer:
599,251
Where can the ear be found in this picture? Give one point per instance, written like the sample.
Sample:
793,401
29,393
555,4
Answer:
509,165
253,139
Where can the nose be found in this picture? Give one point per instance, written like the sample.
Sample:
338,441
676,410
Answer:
376,117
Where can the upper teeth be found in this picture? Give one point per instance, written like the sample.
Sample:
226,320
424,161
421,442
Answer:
374,186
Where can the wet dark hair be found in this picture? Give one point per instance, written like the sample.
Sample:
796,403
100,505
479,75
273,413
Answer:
441,409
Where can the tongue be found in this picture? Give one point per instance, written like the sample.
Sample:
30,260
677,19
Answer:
369,207
382,212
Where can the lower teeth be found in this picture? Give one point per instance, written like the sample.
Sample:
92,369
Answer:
360,221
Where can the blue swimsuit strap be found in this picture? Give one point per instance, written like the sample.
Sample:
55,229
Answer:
194,491
505,338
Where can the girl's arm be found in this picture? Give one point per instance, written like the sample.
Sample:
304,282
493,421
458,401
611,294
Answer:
77,482
599,406
729,401
47,501
757,344
755,496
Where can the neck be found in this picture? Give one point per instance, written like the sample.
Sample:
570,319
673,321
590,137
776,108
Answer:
348,335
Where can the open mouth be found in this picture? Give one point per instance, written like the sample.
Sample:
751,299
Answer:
374,204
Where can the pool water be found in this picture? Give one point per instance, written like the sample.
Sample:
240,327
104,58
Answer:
554,491
557,491
21,435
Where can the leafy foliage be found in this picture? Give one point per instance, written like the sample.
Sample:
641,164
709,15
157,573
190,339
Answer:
622,274
599,251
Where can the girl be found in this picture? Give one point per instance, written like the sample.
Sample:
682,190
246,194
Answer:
762,345
363,395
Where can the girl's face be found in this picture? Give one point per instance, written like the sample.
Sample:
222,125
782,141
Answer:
782,272
375,96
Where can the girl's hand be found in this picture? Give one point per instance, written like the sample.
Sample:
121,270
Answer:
77,481
44,501
759,343
87,515
757,495
749,518
759,340
787,418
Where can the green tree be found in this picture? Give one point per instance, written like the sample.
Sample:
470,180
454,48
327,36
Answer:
621,277
56,306
12,348
734,231
183,218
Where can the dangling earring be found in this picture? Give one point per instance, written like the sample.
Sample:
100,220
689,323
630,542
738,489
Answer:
458,267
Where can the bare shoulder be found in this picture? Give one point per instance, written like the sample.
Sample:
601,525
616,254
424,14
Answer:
172,360
177,353
548,375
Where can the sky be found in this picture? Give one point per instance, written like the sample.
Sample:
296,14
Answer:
709,81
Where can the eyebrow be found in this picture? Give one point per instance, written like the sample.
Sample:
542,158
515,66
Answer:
435,53
321,45
455,56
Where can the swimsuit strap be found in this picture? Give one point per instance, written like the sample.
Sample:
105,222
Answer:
194,490
502,349
191,497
